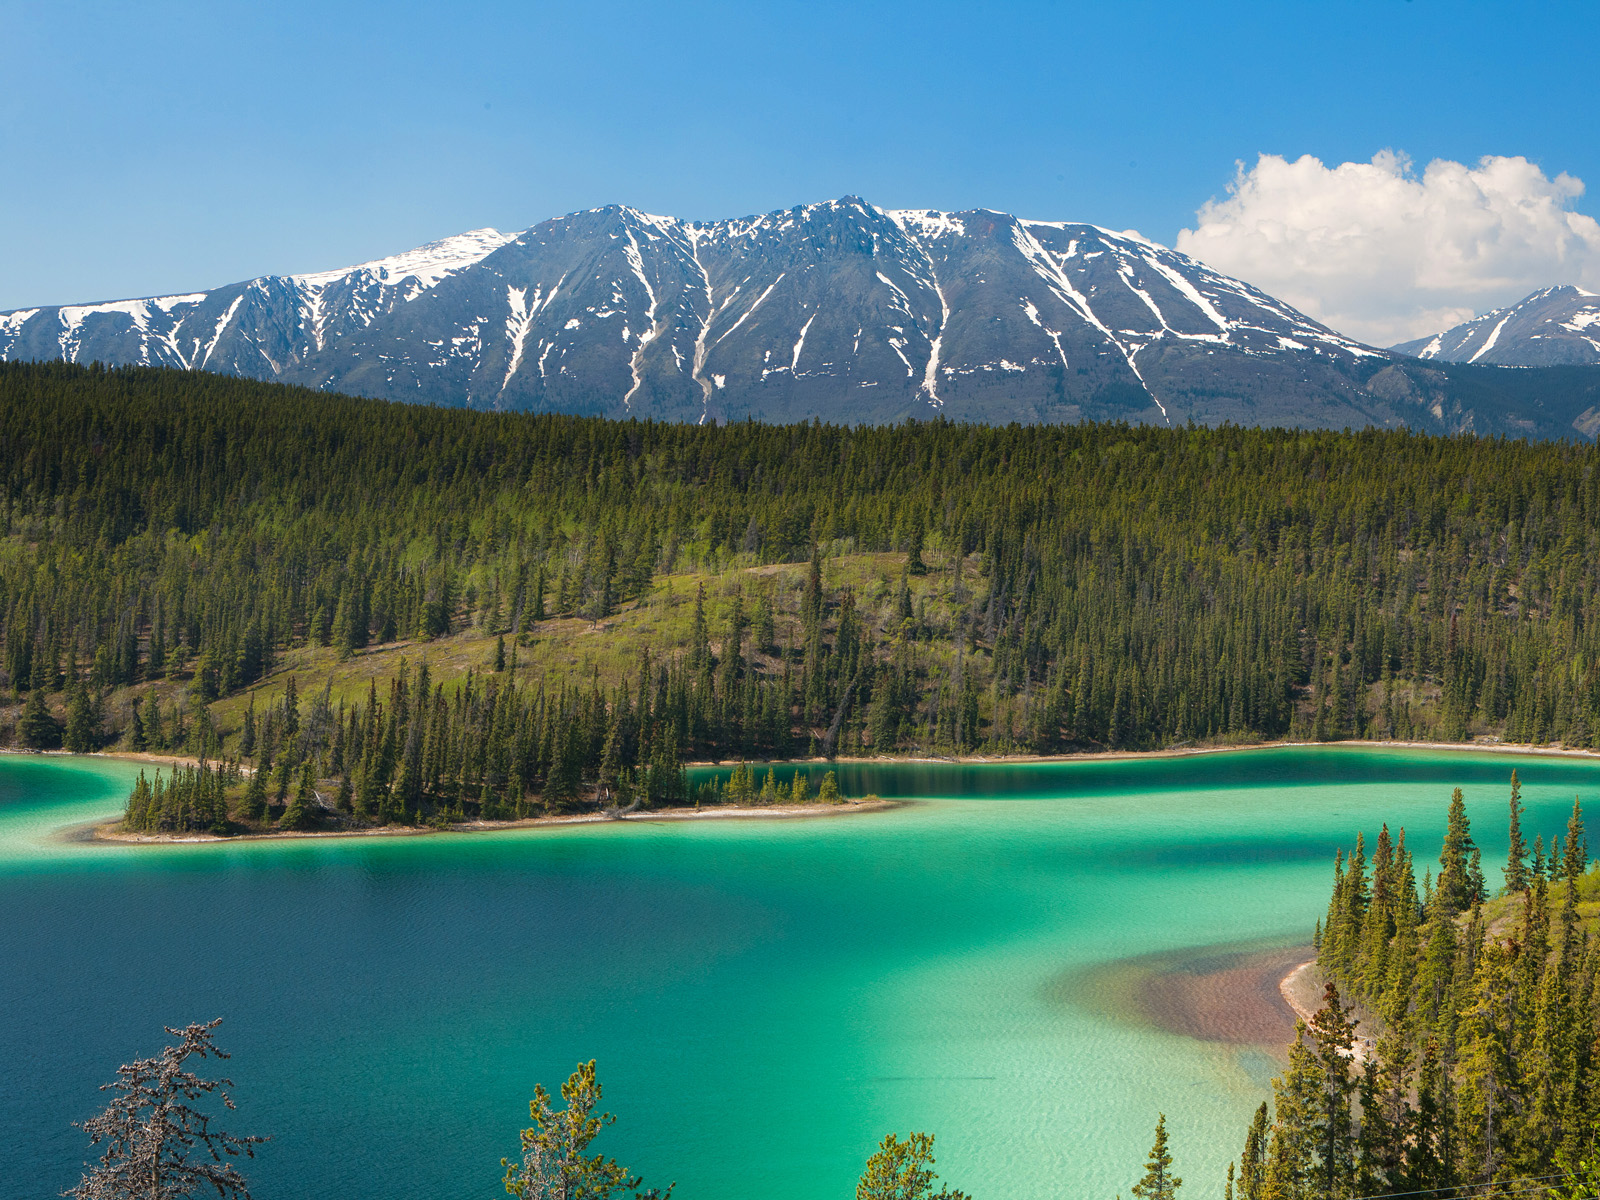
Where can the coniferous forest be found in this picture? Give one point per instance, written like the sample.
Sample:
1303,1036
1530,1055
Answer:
436,613
1455,1050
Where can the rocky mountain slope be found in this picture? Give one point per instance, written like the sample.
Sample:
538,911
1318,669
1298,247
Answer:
839,310
1559,326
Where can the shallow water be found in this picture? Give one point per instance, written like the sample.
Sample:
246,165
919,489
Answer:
998,963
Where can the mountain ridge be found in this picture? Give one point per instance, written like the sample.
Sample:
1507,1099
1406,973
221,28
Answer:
839,310
1554,326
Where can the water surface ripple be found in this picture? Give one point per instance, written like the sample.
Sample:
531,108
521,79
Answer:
1030,961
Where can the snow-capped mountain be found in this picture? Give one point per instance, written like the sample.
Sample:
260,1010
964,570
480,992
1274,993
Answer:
840,310
264,328
1559,326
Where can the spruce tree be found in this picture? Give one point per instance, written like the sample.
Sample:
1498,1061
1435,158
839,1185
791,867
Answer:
137,741
1576,857
1454,892
1252,1163
1488,1097
1333,1030
254,805
302,811
82,733
1159,1183
38,730
1517,851
700,635
903,1171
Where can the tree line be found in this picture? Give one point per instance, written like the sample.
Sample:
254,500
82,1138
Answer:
429,753
1481,1077
157,1141
1059,587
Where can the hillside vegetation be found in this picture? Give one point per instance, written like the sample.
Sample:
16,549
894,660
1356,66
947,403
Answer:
1474,1072
176,546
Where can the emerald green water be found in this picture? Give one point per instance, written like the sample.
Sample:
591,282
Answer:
765,998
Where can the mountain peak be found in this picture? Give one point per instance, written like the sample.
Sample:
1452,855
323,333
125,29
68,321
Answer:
837,309
1555,326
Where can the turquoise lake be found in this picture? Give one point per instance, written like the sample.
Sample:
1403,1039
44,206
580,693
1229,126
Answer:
765,998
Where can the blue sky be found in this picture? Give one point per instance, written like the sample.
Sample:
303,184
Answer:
170,146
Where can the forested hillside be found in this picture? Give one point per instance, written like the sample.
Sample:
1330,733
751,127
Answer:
1466,1065
189,542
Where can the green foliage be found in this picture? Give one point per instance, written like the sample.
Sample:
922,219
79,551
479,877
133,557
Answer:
38,730
302,812
82,733
903,1171
194,530
555,1164
1516,872
1576,856
190,799
1159,1183
828,793
1480,1071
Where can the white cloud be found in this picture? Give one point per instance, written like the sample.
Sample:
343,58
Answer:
1378,253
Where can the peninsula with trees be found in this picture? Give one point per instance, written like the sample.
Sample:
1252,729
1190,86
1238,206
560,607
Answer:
422,614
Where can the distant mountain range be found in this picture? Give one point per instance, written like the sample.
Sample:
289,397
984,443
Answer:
840,310
1559,326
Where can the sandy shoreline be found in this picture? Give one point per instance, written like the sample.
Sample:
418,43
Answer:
1496,747
106,832
1188,751
102,832
1303,988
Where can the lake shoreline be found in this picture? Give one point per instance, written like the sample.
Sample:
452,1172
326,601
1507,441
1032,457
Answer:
102,833
1168,752
188,760
105,833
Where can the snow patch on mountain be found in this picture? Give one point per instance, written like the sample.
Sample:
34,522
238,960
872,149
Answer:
1548,328
428,264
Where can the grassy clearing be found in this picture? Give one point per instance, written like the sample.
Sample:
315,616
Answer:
577,651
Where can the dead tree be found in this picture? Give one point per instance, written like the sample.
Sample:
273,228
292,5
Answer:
157,1145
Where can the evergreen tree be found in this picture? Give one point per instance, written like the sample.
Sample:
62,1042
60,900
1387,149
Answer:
302,811
1517,852
83,726
1252,1163
555,1164
1455,892
1159,1183
1577,851
38,730
254,805
1332,1030
903,1171
137,741
247,735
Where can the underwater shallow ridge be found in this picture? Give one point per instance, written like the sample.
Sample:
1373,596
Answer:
1030,963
